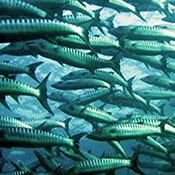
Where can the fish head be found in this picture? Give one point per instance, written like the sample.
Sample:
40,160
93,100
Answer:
42,46
71,109
103,133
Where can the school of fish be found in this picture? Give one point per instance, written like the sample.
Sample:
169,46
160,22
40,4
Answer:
88,87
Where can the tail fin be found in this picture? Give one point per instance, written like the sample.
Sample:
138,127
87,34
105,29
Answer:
137,13
32,68
116,65
84,35
43,94
108,23
67,125
129,85
97,20
135,165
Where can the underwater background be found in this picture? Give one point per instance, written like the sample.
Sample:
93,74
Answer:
30,108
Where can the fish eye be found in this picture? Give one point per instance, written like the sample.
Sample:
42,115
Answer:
98,130
42,45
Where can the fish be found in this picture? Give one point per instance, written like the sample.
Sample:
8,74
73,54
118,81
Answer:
15,88
52,5
143,32
159,81
110,77
47,123
145,47
16,8
73,57
124,132
119,5
91,96
89,113
50,164
154,144
121,98
118,148
17,49
80,84
30,29
102,45
61,96
10,121
103,165
156,94
165,65
8,68
26,137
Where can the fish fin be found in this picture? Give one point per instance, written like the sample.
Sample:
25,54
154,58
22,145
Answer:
109,21
40,126
129,85
77,138
134,166
116,65
67,121
84,34
164,65
161,107
2,100
32,67
43,94
140,16
15,97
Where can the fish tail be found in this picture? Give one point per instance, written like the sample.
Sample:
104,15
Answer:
134,166
129,85
67,121
137,13
32,68
43,94
84,35
116,65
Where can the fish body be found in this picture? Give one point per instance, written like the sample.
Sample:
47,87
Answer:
12,122
144,32
144,47
124,132
124,99
17,49
118,5
102,45
91,96
109,77
156,94
102,165
159,81
73,57
13,30
25,137
89,113
8,68
46,124
20,8
80,84
60,96
15,88
54,5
